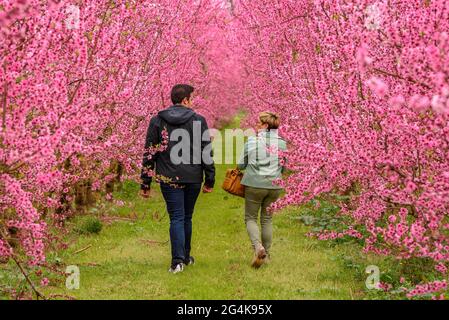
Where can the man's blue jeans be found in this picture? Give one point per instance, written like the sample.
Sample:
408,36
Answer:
180,202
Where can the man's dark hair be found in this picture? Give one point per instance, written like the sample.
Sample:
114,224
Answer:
180,92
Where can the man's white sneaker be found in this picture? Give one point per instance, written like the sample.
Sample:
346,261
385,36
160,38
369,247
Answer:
177,268
190,261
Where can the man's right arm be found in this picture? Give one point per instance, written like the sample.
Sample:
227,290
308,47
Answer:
207,156
148,163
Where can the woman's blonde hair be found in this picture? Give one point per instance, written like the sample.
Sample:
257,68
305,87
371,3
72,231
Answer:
271,119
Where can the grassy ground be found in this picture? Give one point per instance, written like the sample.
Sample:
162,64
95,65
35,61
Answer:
130,257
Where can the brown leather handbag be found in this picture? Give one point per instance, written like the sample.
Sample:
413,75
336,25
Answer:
232,183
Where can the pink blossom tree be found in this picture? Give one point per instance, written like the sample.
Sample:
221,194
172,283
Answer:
363,91
79,81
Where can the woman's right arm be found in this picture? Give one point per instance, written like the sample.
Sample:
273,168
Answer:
243,161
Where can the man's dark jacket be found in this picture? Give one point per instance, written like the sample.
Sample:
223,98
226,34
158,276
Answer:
178,117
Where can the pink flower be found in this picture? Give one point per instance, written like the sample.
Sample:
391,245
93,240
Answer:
378,86
439,105
362,57
410,187
44,282
441,268
397,102
419,103
392,219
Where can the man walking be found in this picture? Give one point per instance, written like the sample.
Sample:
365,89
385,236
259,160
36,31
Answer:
181,168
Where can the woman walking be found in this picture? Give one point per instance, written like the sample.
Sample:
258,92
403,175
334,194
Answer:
260,160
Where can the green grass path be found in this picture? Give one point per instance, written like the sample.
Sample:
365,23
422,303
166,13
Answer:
130,258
